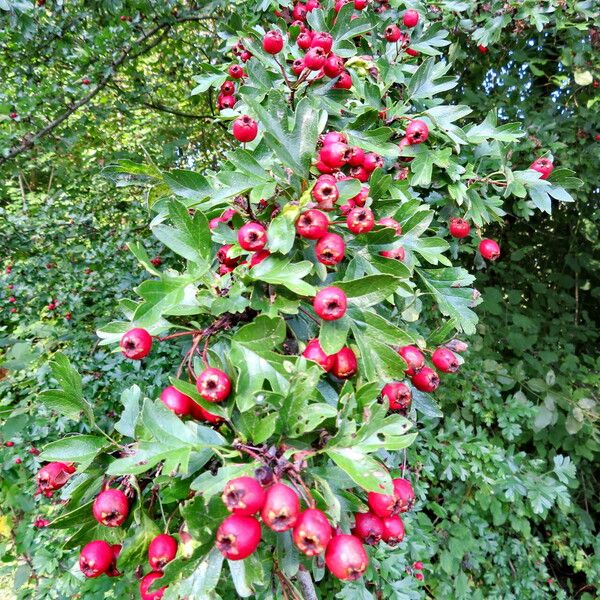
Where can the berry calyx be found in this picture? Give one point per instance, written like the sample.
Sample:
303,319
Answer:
393,530
330,249
368,527
111,508
252,236
360,220
136,343
459,228
345,365
346,557
228,88
413,357
213,385
426,380
243,496
238,537
176,401
325,192
312,224
245,129
281,508
312,532
314,352
273,42
410,18
398,395
236,71
95,558
146,584
543,166
445,360
489,249
330,303
417,131
162,550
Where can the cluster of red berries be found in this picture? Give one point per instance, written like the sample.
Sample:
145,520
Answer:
161,551
460,228
342,364
395,35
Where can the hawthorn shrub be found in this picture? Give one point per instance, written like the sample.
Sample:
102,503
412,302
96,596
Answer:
262,301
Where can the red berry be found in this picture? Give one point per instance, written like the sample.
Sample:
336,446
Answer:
314,352
238,537
345,365
112,570
359,173
373,161
175,400
312,532
258,257
224,102
252,236
213,385
426,380
303,40
330,249
356,156
199,412
273,42
243,496
398,395
445,360
162,550
459,228
360,220
236,71
312,4
392,33
360,4
368,527
416,131
245,129
312,224
225,256
483,49
300,11
325,192
228,88
361,197
85,81
298,66
419,576
13,115
404,143
322,40
281,509
18,460
323,168
542,165
315,58
10,445
346,558
95,558
111,508
405,495
332,137
136,343
418,566
393,530
389,222
413,357
344,82
334,66
383,505
396,253
146,584
489,249
52,476
330,303
410,18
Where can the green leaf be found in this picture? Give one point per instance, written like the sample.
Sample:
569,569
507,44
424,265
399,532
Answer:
209,484
365,471
131,402
370,290
80,449
333,334
281,234
430,79
281,271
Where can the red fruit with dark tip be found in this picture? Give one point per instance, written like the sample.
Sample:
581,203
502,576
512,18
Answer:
483,49
315,58
323,168
404,493
360,4
393,530
281,508
303,40
213,385
112,570
273,42
146,584
136,343
243,496
176,401
13,115
356,156
344,82
410,18
459,228
52,476
368,527
18,460
359,173
362,196
200,413
383,505
85,81
346,558
236,71
258,257
418,565
298,66
398,395
300,11
325,193
252,236
224,102
95,558
245,56
416,131
419,576
312,532
333,137
334,66
413,357
312,224
372,161
330,303
404,143
111,508
345,365
225,256
330,249
9,444
162,550
322,40
228,88
543,166
314,352
426,380
392,33
238,537
445,360
335,155
489,249
360,220
390,222
245,129
312,4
